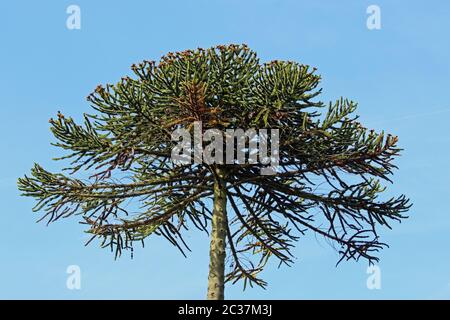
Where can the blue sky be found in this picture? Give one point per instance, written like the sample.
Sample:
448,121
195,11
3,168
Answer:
399,75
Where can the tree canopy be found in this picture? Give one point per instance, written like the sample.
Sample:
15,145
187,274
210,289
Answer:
329,179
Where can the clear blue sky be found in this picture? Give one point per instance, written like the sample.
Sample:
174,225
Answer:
399,75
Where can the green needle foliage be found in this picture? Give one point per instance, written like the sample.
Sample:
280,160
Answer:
328,181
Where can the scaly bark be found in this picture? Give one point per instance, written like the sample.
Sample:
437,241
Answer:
217,252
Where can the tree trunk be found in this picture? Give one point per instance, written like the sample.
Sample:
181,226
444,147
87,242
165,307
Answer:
217,252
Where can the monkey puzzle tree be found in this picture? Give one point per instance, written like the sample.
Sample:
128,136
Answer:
328,179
